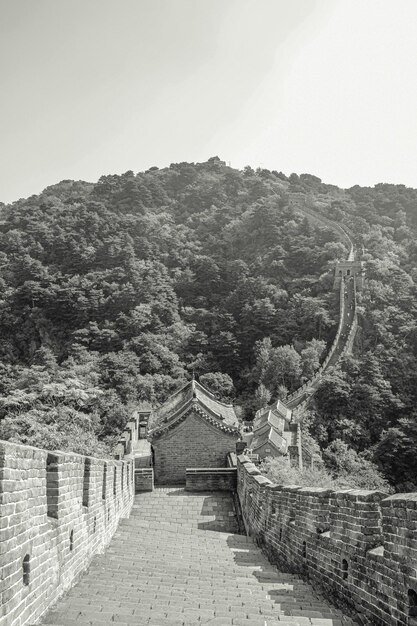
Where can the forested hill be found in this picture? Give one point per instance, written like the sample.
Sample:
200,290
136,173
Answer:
113,293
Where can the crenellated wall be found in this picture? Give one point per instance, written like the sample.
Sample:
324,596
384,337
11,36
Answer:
359,547
57,510
129,437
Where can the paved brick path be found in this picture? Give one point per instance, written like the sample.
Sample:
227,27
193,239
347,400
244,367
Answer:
177,561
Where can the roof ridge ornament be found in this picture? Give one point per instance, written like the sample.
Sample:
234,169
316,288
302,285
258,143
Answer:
193,387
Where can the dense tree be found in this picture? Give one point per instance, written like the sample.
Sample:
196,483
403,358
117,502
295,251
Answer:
396,453
113,293
353,469
220,384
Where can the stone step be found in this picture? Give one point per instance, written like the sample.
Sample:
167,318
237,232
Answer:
178,561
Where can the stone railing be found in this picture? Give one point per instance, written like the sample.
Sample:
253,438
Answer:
57,510
359,547
210,479
144,479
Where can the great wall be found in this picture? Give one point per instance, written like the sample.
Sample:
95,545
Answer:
56,511
347,276
92,541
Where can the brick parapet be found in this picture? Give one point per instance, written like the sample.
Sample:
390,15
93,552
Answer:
359,546
59,545
128,438
210,479
144,479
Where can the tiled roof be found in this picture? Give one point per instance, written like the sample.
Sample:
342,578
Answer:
270,436
194,396
225,410
278,409
173,403
272,418
282,409
277,440
262,428
261,417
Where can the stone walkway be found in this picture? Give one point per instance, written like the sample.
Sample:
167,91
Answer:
178,561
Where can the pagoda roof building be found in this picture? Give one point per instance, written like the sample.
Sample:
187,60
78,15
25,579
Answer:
268,436
191,429
193,397
274,433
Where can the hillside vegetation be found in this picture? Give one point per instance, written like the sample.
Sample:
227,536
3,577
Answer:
113,293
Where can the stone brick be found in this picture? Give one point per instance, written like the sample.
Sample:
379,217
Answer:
26,529
177,560
211,479
144,480
193,443
313,532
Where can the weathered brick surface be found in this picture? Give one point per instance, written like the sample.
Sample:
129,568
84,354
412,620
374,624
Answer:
144,479
359,546
128,438
193,443
58,547
169,565
211,479
178,561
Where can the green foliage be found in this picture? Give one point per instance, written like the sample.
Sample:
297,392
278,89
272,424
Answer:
353,469
112,293
219,384
128,285
54,407
347,472
280,471
396,453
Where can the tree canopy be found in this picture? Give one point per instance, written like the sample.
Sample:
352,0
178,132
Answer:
113,293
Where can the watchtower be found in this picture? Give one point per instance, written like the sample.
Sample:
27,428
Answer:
347,269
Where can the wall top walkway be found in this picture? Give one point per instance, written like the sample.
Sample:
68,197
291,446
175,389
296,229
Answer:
178,560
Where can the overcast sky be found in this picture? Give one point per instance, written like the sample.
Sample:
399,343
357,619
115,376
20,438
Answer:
92,87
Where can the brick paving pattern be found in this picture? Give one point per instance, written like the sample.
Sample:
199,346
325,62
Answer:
178,561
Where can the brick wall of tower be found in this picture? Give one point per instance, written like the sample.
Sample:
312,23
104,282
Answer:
193,443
